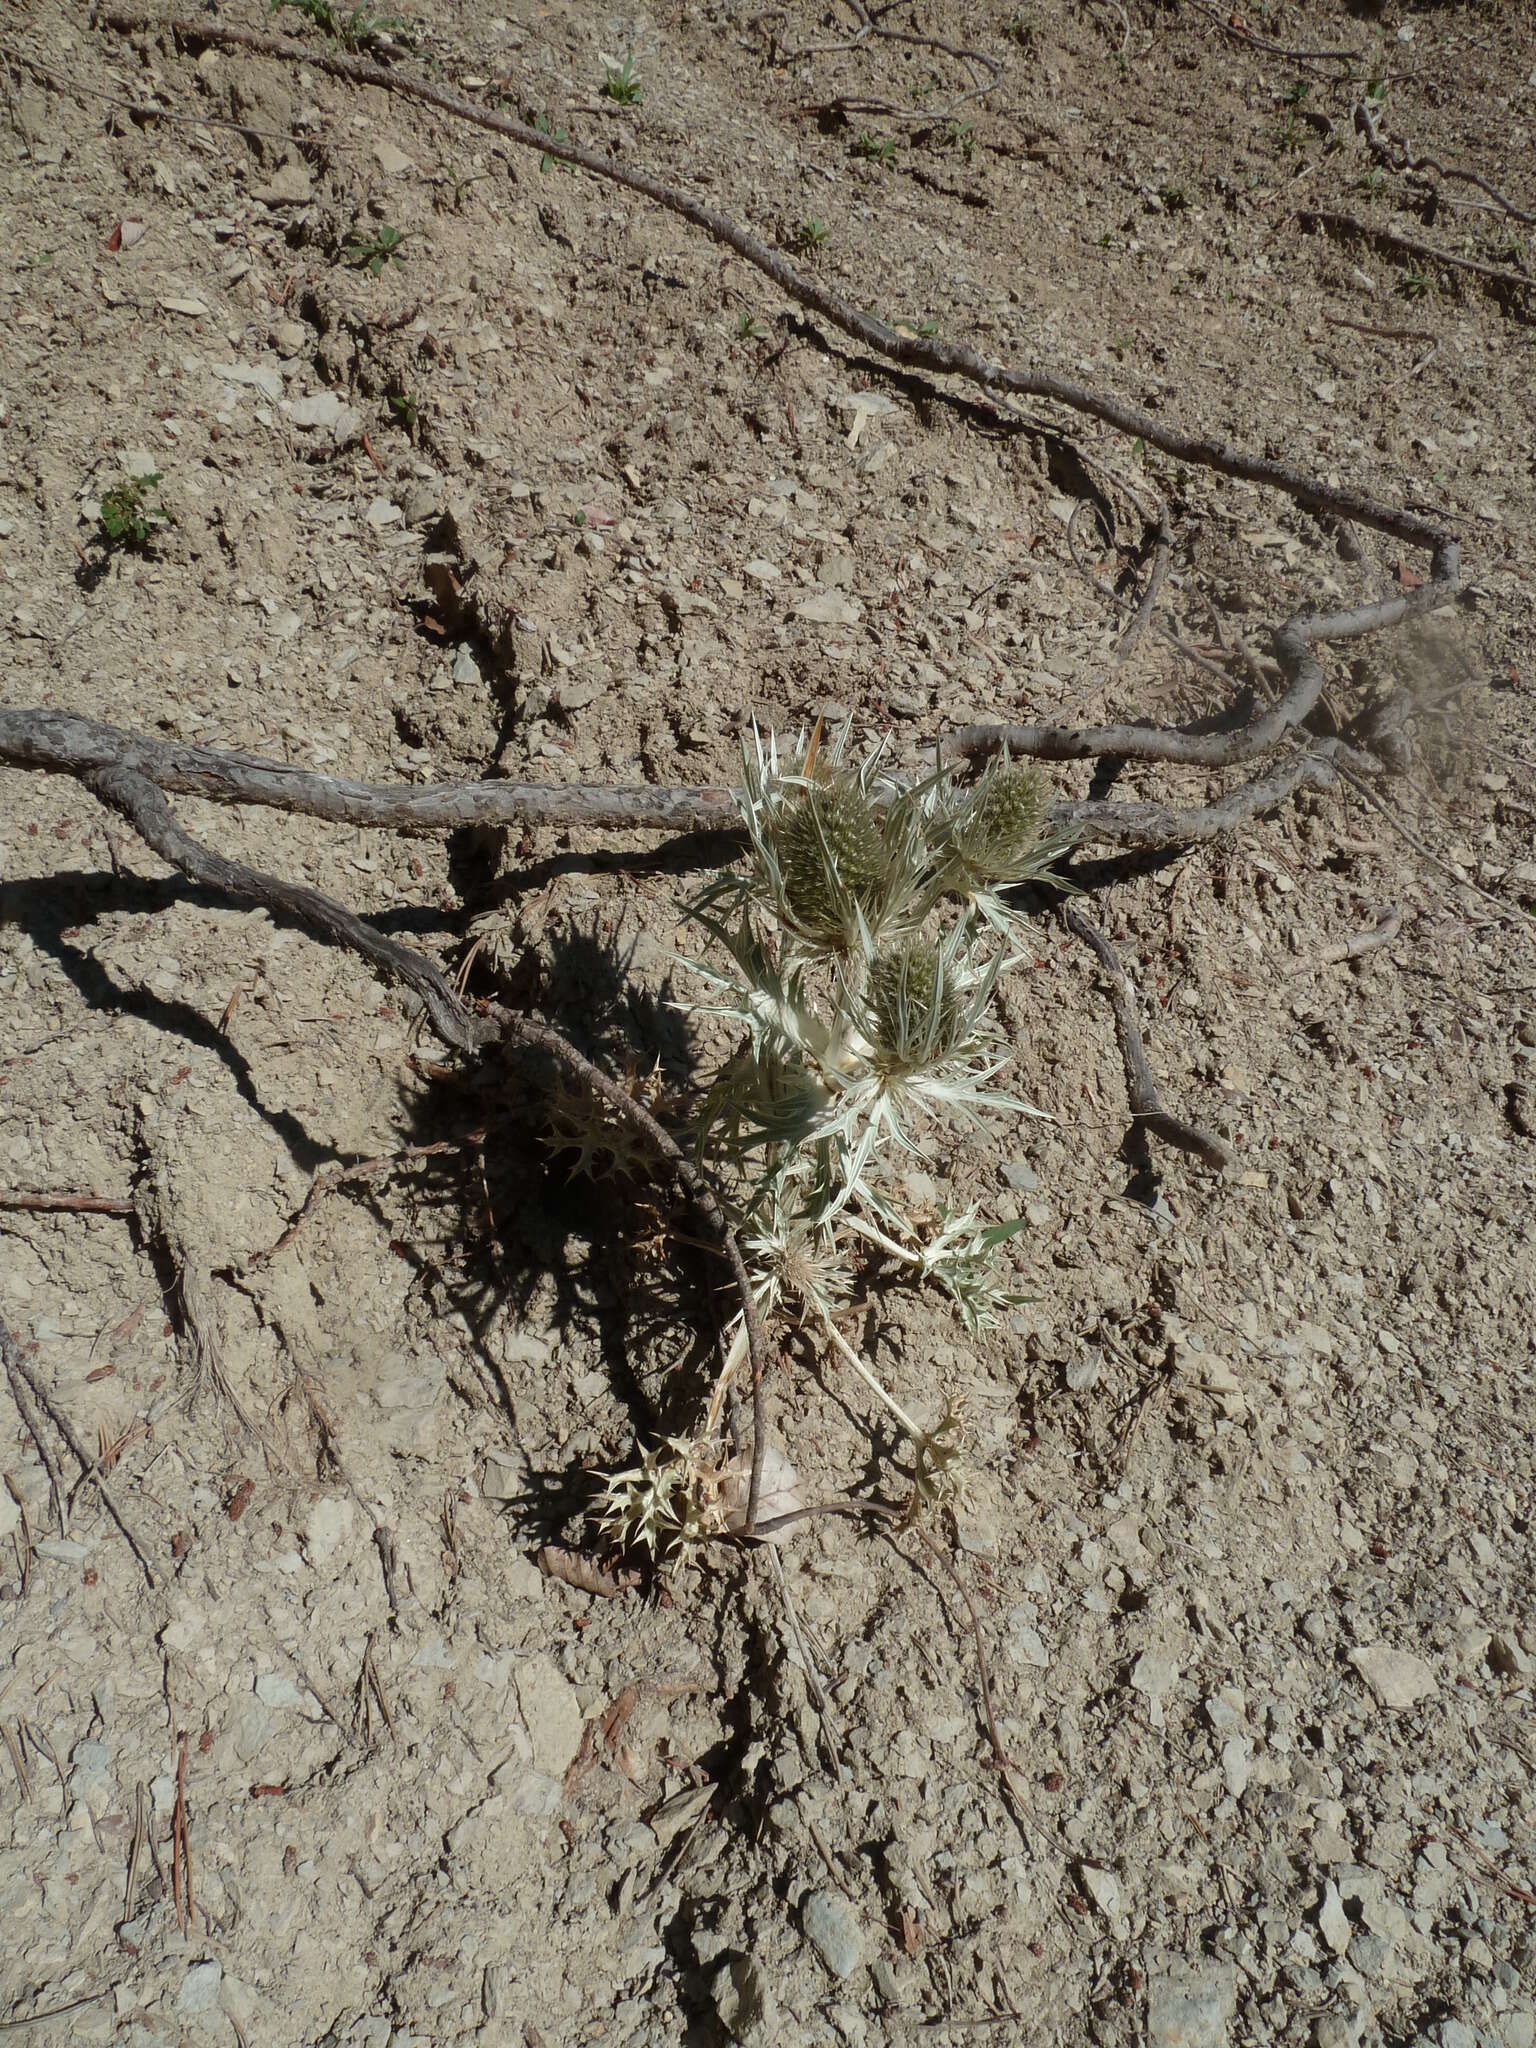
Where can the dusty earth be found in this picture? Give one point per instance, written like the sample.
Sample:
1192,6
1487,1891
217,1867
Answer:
563,494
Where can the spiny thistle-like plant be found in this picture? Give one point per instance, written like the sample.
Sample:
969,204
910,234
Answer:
856,955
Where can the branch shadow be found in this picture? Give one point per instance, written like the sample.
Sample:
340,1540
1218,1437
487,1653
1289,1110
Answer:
51,909
630,1276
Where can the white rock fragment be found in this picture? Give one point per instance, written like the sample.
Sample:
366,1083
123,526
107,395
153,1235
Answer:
320,409
828,608
834,1933
263,377
327,1525
551,1713
1397,1677
1237,1764
1155,1673
778,1494
200,1988
1332,1920
289,185
1190,2005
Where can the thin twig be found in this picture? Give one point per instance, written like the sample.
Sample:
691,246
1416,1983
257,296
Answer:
896,1521
1337,951
1342,227
45,1202
1235,29
1381,333
60,743
19,1366
181,1846
363,1174
912,351
136,799
1399,156
1149,596
1146,1107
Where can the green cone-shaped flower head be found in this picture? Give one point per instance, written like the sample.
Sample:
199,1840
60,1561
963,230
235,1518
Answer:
917,1012
834,860
999,833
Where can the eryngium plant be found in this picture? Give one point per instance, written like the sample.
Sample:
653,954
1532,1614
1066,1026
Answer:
856,954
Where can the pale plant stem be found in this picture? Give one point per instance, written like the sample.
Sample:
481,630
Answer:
852,1358
887,1244
733,1360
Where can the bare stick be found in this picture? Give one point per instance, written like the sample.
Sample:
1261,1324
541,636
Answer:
26,1408
1232,28
189,1296
896,1521
1149,596
46,1202
1399,156
1381,333
1146,1106
1343,228
1293,645
1382,933
525,1031
136,799
18,1365
919,352
363,1174
58,742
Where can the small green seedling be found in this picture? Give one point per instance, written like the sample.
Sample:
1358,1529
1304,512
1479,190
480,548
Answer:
1175,199
545,126
406,409
620,83
1020,30
354,30
1416,284
810,235
924,327
874,149
959,135
750,328
127,518
374,252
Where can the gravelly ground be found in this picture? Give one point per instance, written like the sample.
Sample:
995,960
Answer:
1249,1528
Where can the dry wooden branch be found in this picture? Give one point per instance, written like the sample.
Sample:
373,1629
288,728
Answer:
1235,29
1382,933
363,1174
912,351
1399,156
1149,596
58,742
135,798
1146,1106
1515,289
50,1202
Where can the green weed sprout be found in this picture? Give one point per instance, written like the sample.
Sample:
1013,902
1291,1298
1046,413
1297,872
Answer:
854,956
620,83
127,518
